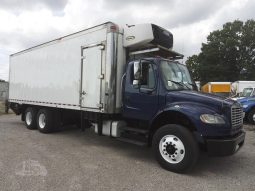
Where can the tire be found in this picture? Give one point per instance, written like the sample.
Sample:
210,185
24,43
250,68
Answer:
30,118
175,148
251,116
45,122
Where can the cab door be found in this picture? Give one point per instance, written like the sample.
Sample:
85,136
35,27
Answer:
140,94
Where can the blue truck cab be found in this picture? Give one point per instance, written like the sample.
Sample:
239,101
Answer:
160,95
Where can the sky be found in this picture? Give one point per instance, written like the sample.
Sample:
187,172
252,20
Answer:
26,23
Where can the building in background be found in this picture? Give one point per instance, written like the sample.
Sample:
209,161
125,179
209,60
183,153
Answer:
3,90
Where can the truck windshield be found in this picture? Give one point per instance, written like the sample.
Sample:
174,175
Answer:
175,76
247,92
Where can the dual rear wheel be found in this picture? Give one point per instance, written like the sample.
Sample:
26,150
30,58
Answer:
30,118
41,119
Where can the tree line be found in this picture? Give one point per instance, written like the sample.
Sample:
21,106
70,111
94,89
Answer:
228,54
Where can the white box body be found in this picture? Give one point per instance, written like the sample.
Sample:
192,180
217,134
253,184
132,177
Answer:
83,70
74,72
238,86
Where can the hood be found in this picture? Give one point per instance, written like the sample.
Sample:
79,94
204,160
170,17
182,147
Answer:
237,98
210,100
246,99
242,99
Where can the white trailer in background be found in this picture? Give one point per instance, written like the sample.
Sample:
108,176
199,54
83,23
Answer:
237,87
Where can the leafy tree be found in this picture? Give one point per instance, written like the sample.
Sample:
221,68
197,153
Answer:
228,55
193,66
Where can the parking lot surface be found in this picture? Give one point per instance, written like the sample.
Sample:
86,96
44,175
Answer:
75,160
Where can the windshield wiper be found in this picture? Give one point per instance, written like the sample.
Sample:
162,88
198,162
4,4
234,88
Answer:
180,83
193,85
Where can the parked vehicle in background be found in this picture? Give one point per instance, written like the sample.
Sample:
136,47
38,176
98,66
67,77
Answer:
247,100
125,83
237,87
247,92
217,88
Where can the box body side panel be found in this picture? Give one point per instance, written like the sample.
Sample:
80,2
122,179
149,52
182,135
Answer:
52,73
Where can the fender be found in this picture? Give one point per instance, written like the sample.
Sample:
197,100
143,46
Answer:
192,111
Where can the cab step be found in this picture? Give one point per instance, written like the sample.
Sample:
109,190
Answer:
135,130
136,142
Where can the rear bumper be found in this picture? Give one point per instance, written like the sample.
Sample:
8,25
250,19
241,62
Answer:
225,147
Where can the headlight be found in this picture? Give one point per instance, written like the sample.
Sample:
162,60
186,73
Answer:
245,106
212,119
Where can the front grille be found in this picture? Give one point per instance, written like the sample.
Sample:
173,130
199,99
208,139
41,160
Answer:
236,116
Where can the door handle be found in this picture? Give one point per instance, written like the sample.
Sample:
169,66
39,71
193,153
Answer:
83,93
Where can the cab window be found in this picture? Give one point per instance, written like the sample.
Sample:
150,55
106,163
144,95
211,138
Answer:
143,75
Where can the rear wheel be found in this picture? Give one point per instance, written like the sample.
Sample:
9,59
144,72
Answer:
251,116
30,118
175,148
45,121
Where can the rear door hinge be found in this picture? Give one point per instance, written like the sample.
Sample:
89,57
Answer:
101,47
101,76
100,105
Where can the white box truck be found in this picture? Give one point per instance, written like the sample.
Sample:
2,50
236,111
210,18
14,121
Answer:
126,83
237,87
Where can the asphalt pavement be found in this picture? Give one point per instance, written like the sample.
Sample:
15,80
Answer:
73,160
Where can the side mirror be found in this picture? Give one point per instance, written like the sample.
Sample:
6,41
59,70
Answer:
137,70
136,84
137,74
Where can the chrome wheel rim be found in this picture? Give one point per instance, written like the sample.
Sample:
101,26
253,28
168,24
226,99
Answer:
29,118
42,121
253,117
172,149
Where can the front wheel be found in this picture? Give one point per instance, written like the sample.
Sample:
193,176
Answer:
175,148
